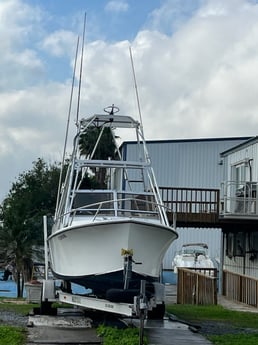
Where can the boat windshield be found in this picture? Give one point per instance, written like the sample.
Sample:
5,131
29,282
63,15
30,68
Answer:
103,202
194,251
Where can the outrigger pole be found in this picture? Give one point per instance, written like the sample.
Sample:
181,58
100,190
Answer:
80,79
67,127
70,108
135,86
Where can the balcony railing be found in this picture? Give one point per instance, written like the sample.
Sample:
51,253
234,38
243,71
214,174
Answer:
205,206
239,199
192,204
241,288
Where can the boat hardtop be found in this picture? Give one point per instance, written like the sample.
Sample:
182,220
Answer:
111,120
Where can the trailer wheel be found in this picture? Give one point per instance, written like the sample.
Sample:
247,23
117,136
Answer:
46,308
120,295
157,313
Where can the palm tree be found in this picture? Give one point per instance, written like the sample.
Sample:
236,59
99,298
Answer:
16,249
106,149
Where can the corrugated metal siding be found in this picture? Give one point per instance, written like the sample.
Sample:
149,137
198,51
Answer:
188,163
250,152
191,235
246,264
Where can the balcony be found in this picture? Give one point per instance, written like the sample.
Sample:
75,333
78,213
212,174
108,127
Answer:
191,206
239,200
203,208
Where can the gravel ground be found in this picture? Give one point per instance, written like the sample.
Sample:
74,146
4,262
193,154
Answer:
13,319
213,327
220,328
204,327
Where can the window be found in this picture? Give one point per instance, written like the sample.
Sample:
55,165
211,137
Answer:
229,244
253,241
239,175
235,245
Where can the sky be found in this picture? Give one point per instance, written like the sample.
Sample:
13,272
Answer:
196,65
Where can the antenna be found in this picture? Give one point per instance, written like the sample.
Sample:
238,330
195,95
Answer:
68,124
80,79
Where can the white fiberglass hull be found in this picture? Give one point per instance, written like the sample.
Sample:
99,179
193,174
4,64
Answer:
94,249
201,262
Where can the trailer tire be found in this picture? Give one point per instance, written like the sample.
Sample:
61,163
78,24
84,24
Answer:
46,308
120,295
157,313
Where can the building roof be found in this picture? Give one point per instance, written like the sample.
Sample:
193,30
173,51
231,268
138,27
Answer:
249,141
192,140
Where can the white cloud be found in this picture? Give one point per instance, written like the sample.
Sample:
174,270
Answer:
18,22
172,14
117,6
197,79
205,71
59,43
19,62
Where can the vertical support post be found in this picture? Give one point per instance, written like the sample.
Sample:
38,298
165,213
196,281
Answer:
143,310
128,262
127,270
222,243
174,220
45,246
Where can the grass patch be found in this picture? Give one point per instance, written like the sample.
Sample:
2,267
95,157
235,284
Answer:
234,339
115,336
18,306
12,335
195,313
240,321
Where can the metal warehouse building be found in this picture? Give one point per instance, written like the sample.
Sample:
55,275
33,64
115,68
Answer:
190,163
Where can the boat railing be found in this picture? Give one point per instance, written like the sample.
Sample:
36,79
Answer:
114,204
138,206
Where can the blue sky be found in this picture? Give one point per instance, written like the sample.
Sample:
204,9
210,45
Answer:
111,21
196,65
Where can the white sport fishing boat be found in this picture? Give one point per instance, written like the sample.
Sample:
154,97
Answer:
114,235
193,255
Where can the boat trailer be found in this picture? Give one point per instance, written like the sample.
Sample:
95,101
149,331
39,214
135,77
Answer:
153,306
140,307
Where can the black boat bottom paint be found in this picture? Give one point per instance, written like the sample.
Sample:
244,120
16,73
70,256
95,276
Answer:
101,284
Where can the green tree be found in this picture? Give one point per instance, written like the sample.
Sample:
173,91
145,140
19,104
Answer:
31,196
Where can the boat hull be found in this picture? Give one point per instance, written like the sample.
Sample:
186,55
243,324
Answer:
200,263
90,254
